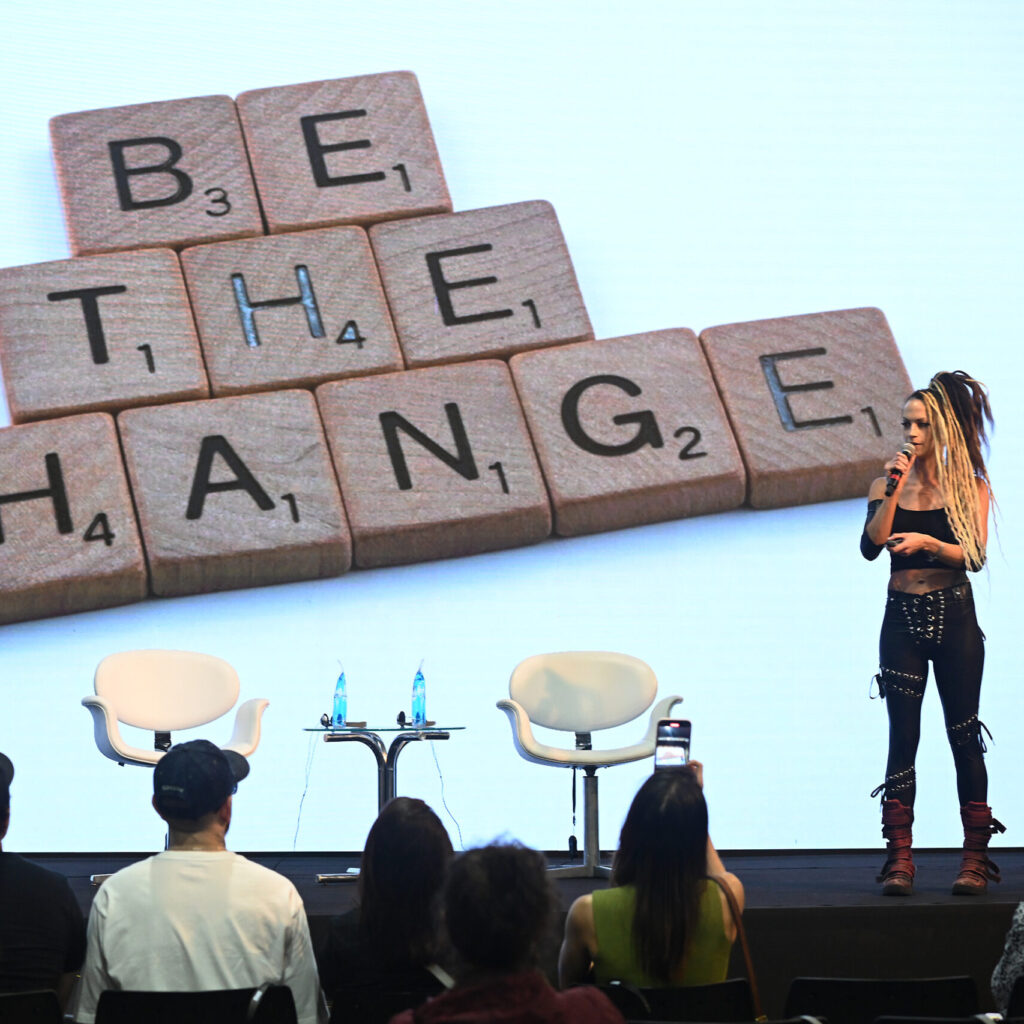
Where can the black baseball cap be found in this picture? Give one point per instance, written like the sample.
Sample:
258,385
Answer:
6,775
195,778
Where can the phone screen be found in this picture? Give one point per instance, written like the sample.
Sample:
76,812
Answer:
672,747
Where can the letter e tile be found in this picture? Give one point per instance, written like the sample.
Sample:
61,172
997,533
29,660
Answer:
97,333
345,151
487,282
234,492
814,402
172,173
434,463
629,430
68,538
290,310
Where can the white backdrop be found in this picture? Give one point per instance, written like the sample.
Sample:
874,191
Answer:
710,161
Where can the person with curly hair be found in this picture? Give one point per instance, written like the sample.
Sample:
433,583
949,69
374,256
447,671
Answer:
931,511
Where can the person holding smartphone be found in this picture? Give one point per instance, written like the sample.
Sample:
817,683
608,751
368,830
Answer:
930,511
664,922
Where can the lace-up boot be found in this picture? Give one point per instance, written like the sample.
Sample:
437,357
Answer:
976,870
897,874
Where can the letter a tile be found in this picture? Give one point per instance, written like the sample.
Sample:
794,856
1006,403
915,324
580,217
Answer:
814,402
235,492
434,463
487,282
629,430
68,539
97,333
172,173
345,151
290,310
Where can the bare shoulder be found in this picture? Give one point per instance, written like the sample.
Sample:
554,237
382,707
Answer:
581,914
877,490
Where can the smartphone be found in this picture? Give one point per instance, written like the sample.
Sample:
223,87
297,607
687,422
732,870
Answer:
672,746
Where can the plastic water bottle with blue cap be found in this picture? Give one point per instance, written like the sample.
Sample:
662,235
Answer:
419,698
339,712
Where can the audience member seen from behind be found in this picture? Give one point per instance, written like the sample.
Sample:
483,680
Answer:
197,916
1011,963
664,922
42,932
390,940
499,908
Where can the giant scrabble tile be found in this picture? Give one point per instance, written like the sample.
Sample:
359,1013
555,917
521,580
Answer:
234,492
434,463
290,310
346,151
98,333
629,430
814,402
154,174
487,282
68,539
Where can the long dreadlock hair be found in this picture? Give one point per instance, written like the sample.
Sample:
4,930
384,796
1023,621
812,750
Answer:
958,407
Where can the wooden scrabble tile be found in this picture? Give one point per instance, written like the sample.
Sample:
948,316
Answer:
154,174
434,463
628,431
487,282
290,310
814,402
97,333
68,538
234,492
345,151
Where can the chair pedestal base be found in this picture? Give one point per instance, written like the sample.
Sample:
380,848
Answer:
591,866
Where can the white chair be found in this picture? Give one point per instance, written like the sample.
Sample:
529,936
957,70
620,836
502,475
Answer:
165,691
581,692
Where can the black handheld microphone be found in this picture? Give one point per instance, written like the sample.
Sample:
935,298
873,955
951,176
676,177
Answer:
894,474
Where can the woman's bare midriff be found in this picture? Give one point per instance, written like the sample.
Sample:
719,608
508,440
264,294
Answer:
923,581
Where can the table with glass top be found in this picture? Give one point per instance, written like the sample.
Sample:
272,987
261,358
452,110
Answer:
387,758
387,755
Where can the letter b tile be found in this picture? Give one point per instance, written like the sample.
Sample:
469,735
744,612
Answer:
814,402
628,431
68,539
234,492
434,463
172,173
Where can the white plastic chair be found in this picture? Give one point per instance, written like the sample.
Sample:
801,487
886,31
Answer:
165,691
582,692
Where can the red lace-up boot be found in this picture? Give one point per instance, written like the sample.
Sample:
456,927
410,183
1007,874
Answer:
976,870
897,875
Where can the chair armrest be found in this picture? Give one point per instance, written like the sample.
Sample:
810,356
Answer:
533,750
246,734
108,736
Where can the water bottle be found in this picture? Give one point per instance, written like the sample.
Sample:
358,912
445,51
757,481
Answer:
419,698
340,709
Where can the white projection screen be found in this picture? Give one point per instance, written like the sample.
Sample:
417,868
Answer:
710,162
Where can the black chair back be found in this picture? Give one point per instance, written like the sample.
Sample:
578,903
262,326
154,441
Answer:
369,1005
1016,1007
861,1000
270,1004
40,1007
728,1001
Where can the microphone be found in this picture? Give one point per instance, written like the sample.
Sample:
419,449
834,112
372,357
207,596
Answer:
894,474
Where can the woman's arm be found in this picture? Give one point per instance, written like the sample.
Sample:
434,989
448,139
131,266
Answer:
948,554
579,945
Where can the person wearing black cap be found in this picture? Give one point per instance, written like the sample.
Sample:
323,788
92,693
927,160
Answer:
42,932
197,916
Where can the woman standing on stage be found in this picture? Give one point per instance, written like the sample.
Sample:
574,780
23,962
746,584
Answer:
931,512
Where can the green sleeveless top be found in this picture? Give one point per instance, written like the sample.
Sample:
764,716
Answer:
617,960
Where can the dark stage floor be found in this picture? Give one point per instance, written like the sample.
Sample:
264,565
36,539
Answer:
813,913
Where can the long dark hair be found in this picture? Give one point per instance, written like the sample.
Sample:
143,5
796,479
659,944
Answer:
663,855
402,870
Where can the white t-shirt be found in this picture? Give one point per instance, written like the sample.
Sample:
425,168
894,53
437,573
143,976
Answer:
198,920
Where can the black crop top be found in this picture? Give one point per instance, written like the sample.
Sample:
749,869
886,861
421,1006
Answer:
932,522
